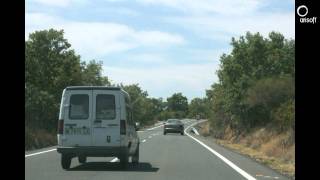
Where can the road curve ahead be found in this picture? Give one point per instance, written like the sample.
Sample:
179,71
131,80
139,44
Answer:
162,157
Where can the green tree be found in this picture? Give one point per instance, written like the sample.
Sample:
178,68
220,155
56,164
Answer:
254,79
157,106
140,105
198,106
178,104
266,95
50,66
92,74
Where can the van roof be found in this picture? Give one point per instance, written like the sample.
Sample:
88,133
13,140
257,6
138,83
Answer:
92,88
97,88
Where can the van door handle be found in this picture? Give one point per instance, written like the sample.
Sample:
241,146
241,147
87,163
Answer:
97,121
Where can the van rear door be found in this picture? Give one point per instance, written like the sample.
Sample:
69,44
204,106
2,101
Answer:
77,118
106,118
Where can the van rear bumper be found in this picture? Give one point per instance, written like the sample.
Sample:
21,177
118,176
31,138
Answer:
93,151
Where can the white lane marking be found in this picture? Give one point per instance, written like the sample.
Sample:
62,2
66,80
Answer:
143,140
158,123
190,120
235,167
150,137
114,160
33,154
195,131
154,127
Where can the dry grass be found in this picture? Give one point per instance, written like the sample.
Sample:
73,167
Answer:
264,145
38,138
204,129
276,163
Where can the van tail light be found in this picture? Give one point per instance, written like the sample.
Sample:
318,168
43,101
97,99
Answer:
123,127
60,126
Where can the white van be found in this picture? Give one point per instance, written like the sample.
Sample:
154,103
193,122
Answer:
96,121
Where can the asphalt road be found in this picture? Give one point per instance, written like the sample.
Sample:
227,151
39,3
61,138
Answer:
162,157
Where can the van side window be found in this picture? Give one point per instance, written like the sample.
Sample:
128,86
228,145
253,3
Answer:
79,106
105,107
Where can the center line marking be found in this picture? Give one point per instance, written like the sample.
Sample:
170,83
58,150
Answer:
143,140
154,127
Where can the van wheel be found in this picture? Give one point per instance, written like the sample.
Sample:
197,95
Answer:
182,133
65,161
135,157
82,159
164,133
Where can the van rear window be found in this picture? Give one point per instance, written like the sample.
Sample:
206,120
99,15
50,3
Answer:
105,107
79,106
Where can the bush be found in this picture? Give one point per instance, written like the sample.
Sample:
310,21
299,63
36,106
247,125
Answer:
164,115
39,138
271,91
266,96
284,116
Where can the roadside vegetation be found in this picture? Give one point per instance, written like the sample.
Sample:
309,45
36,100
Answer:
252,106
267,146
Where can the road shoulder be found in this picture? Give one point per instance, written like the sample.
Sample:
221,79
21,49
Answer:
248,164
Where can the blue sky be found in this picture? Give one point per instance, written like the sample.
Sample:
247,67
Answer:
165,46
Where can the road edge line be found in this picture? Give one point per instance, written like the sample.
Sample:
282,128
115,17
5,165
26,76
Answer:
114,160
228,162
41,152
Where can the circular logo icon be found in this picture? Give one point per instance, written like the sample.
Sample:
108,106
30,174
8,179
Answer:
302,7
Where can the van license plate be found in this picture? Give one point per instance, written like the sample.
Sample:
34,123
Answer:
77,131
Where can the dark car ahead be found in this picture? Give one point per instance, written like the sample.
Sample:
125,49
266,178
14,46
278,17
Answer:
173,126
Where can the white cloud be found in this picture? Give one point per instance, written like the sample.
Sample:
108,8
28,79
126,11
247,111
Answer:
57,3
148,58
167,79
124,11
118,11
97,39
34,21
224,27
157,37
222,19
206,55
151,59
208,6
